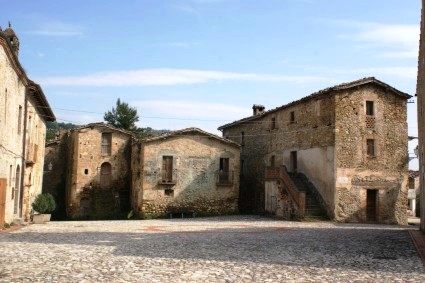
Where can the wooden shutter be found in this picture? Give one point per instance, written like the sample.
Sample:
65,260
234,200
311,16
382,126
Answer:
167,169
3,186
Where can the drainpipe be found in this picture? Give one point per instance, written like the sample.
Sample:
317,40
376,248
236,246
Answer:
24,137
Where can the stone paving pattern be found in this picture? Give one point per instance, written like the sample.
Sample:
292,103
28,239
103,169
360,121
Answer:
220,249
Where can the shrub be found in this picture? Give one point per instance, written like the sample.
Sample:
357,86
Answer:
44,203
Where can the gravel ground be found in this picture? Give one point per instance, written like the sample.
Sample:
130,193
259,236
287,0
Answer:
219,249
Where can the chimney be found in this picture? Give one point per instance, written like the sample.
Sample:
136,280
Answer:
258,109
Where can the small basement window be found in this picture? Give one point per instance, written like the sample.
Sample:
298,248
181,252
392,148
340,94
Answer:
86,171
169,192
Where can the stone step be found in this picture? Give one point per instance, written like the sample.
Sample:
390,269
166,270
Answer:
19,222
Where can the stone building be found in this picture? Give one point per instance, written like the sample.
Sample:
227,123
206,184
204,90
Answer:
55,172
345,147
24,111
413,193
98,175
186,171
420,92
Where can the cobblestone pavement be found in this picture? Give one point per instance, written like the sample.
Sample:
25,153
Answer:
221,249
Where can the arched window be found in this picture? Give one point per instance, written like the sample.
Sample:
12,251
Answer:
17,186
105,175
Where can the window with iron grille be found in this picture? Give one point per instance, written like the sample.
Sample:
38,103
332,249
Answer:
106,143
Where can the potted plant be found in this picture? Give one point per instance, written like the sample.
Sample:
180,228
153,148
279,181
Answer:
43,204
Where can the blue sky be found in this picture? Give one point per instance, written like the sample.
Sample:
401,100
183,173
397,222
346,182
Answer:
204,63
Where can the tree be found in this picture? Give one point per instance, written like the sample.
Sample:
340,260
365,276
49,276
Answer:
123,116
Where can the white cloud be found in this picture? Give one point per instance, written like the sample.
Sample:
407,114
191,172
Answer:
399,41
191,110
169,77
56,28
401,72
77,118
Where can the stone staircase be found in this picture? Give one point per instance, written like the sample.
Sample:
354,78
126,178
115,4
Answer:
314,204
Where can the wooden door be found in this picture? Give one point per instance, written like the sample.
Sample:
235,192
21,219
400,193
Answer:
371,205
3,186
105,175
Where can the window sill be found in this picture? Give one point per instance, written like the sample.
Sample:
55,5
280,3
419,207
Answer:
224,184
166,182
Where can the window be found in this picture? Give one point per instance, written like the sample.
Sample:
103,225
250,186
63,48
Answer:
370,144
272,161
105,175
167,169
169,192
106,143
370,108
19,120
86,171
10,175
242,167
17,187
273,123
292,117
224,176
5,104
242,138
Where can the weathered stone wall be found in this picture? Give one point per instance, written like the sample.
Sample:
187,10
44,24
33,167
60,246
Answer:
278,202
34,156
420,91
85,164
312,129
388,128
54,180
12,97
196,161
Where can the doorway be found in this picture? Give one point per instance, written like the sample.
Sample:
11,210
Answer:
371,205
294,163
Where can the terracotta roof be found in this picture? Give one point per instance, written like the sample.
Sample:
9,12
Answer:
188,131
324,92
103,125
42,104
